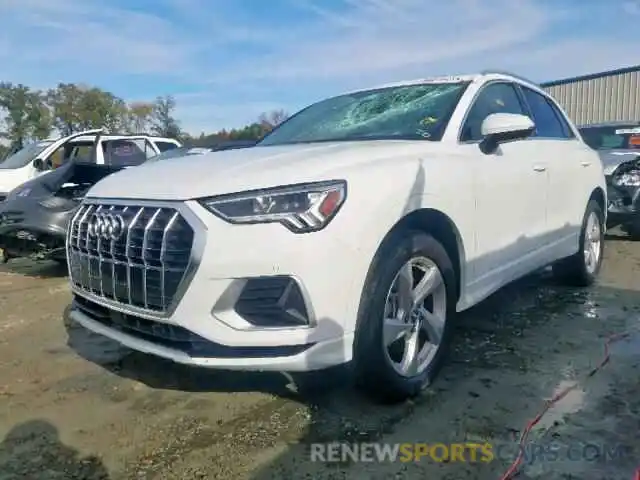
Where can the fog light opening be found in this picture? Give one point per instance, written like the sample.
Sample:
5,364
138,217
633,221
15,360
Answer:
272,302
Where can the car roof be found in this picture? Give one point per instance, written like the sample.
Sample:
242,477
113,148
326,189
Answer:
484,76
91,138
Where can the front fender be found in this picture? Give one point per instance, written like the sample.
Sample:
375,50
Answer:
380,198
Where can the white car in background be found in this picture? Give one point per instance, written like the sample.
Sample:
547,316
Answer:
41,156
351,233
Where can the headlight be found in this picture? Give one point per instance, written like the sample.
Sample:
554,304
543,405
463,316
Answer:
301,208
630,179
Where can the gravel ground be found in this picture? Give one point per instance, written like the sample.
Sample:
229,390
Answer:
76,406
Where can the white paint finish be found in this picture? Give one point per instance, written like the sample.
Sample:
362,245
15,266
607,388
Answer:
506,122
510,200
515,210
572,172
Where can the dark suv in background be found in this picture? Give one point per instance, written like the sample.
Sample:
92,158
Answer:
618,144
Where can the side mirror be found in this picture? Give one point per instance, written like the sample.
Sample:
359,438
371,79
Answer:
43,165
500,128
39,165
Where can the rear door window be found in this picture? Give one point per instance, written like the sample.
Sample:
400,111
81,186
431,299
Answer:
123,152
548,124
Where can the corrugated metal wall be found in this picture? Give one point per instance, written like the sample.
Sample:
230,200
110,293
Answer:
608,98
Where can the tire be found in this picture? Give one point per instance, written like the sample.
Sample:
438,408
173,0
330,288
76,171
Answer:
373,365
576,270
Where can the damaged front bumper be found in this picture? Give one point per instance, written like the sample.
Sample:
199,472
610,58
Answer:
33,231
624,204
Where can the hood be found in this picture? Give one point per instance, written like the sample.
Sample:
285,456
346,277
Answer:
252,168
611,159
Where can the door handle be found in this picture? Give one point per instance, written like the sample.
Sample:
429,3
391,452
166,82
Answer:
585,164
539,168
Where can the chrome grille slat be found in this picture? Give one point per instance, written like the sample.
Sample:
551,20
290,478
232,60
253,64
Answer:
99,242
113,263
144,268
145,241
126,253
86,215
163,252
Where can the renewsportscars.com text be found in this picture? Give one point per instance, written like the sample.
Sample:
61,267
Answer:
468,452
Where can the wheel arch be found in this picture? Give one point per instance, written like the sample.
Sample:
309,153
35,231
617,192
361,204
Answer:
443,229
599,196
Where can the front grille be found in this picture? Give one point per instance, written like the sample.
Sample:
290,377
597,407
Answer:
143,267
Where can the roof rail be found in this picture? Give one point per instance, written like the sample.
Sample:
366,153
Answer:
116,134
511,74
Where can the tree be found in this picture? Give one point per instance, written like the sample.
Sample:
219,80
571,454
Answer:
78,107
97,108
26,114
272,119
65,101
163,122
140,116
3,152
39,116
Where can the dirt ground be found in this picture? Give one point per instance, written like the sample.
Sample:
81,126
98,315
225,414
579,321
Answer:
74,405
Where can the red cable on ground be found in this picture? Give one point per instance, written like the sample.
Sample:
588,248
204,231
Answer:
512,471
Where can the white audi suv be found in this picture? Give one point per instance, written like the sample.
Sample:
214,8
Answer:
351,234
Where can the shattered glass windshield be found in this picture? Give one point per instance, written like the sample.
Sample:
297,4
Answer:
408,112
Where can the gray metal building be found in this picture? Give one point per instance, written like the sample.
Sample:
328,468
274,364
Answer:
599,97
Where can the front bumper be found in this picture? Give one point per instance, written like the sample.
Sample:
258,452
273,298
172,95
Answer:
30,229
623,204
206,327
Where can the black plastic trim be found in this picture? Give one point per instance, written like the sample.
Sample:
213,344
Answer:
191,344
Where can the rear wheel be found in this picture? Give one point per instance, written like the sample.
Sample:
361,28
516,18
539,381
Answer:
403,330
583,268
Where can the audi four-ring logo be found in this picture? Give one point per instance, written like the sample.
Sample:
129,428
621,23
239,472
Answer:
107,226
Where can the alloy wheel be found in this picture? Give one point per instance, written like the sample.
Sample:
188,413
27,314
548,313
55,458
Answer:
415,316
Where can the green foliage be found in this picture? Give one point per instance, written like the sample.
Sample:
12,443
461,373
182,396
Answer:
162,121
26,115
254,131
69,108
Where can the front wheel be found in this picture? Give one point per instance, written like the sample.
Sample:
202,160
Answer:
403,331
583,268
